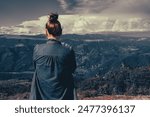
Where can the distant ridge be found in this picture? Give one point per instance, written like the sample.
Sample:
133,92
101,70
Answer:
81,36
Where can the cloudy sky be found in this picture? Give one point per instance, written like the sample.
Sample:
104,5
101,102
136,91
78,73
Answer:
29,12
13,12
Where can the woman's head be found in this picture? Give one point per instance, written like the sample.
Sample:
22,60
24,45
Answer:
53,26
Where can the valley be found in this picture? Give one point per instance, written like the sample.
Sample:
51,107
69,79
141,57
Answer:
108,65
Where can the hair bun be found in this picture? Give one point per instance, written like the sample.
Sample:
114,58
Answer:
53,17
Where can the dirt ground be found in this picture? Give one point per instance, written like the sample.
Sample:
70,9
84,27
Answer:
118,97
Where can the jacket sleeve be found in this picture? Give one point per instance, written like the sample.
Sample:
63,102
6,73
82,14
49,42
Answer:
34,55
72,61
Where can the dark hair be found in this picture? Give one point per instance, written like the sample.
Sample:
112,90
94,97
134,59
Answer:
53,25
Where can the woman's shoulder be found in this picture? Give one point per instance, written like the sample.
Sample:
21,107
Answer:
38,46
65,45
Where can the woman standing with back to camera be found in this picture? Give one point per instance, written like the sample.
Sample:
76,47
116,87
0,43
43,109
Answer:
54,64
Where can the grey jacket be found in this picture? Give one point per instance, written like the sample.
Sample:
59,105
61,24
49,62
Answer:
54,64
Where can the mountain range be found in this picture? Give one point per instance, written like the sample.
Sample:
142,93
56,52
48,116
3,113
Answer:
115,64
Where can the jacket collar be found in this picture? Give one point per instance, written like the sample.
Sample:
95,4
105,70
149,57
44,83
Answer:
53,41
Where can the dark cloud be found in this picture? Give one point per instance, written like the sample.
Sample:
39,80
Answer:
129,7
16,11
110,7
85,6
68,5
